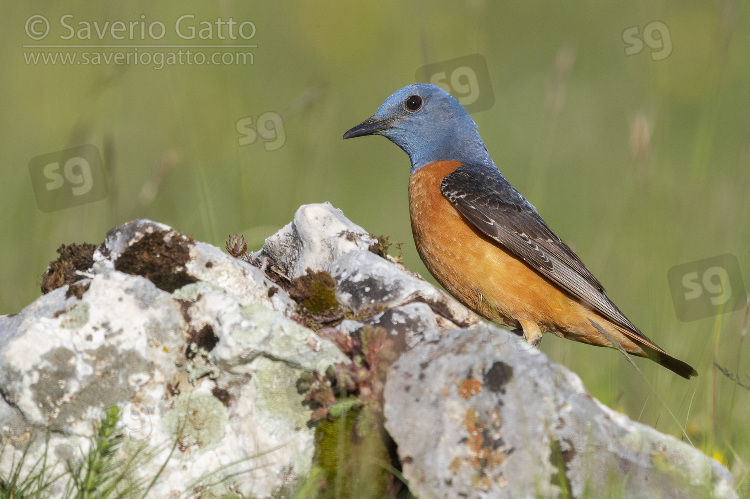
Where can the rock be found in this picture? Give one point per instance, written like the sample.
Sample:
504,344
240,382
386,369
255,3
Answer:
226,368
186,339
318,235
498,419
365,281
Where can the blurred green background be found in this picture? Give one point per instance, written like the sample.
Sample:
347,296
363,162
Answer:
640,162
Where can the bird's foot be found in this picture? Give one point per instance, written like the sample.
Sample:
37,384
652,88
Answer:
531,333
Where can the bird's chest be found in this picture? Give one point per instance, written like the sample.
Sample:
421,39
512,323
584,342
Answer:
446,244
470,266
433,217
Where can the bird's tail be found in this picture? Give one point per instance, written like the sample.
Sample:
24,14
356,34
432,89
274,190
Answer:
673,364
650,350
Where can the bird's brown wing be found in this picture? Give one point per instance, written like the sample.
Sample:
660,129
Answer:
482,195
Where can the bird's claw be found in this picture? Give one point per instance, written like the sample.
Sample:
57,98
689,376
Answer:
531,333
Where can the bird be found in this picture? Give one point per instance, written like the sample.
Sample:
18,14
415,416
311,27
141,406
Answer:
485,243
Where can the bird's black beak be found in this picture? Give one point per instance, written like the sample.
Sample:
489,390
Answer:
371,126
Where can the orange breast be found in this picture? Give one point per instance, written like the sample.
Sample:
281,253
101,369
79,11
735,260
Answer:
478,271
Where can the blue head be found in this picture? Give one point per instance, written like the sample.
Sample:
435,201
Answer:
428,124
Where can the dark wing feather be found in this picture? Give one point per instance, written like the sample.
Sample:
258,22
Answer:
496,208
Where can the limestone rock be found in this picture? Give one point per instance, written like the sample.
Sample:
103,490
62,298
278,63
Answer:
207,356
184,338
498,419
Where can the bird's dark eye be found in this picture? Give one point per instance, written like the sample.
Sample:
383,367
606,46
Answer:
413,102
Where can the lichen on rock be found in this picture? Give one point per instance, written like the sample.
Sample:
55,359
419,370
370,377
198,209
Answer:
316,365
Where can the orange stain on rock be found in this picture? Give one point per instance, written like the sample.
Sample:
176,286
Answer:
469,387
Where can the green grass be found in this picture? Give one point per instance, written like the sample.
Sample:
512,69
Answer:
110,468
630,217
102,472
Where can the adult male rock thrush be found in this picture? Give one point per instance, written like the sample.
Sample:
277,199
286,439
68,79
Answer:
484,242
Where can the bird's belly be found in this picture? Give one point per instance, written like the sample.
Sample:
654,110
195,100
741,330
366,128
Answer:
475,269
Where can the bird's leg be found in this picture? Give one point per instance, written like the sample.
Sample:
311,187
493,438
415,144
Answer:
531,332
